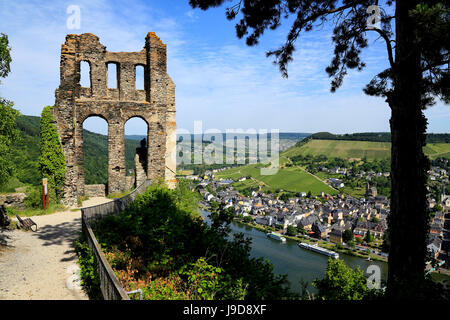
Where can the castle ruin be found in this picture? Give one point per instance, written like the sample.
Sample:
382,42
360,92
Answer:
155,105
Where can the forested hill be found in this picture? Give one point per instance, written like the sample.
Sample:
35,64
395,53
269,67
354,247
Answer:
375,137
26,153
26,150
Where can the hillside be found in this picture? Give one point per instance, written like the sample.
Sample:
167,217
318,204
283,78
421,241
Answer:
95,151
342,149
295,179
287,179
376,137
359,149
26,153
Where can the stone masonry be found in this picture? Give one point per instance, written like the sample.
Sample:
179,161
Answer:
155,105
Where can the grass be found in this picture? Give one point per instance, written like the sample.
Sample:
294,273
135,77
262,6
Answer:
442,278
342,149
360,149
81,199
436,150
289,179
357,192
241,185
30,212
118,194
11,186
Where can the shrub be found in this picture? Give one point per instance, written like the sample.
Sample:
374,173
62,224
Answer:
202,279
34,198
168,243
88,269
342,283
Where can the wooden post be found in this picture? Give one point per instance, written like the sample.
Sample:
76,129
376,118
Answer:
45,200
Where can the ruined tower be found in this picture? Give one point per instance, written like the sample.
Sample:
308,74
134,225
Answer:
155,105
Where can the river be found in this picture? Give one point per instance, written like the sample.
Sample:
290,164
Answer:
288,258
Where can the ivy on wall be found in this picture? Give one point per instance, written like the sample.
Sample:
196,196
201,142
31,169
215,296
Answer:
52,163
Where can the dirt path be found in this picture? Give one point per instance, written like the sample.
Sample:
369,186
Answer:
42,265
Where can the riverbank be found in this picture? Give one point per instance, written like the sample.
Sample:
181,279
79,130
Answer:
300,238
320,243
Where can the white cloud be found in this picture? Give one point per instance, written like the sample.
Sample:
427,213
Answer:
225,84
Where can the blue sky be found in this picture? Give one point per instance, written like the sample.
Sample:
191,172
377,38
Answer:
219,80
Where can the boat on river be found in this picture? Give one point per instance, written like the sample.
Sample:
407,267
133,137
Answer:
276,236
318,249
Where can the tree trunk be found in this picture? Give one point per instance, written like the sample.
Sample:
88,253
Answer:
408,220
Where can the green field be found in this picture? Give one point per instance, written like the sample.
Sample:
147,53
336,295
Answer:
360,149
342,149
297,180
289,179
437,150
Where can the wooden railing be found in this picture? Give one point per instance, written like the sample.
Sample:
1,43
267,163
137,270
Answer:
109,284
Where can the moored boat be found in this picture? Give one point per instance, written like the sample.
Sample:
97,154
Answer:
318,249
276,236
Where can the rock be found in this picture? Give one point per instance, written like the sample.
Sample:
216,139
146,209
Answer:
95,190
4,219
13,199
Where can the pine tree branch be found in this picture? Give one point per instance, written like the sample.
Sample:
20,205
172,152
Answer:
388,44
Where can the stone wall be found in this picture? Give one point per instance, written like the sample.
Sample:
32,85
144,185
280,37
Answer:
155,105
95,190
129,182
15,200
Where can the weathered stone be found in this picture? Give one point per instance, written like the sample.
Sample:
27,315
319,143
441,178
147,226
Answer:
129,182
95,190
13,199
155,105
4,219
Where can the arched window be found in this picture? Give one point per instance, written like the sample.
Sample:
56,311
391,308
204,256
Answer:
136,129
95,150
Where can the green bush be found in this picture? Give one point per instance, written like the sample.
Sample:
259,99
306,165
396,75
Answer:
342,283
168,242
291,231
88,269
34,198
11,185
202,279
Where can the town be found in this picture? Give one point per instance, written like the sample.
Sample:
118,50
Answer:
358,224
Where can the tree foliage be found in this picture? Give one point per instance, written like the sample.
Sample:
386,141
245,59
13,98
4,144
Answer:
8,134
347,235
51,160
161,243
417,39
369,237
8,117
26,151
342,283
350,36
5,56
